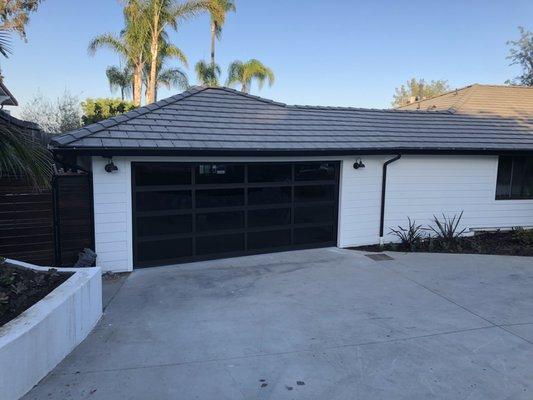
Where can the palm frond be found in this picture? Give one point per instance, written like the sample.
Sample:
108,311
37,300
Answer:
207,73
173,77
21,156
5,43
109,41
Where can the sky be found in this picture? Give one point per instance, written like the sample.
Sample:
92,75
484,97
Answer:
323,52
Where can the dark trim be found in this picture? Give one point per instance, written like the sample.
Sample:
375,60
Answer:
384,191
108,152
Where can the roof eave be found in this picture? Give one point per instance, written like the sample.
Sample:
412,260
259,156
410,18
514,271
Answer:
181,152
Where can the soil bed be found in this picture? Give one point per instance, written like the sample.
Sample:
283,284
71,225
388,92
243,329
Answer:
514,243
20,288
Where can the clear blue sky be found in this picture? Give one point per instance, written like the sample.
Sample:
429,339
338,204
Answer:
326,52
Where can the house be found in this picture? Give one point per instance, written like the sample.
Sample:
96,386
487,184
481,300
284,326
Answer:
213,172
489,100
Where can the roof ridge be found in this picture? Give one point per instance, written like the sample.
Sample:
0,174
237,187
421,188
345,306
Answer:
72,136
248,95
459,103
440,95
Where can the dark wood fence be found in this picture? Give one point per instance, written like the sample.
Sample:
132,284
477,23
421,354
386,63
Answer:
49,227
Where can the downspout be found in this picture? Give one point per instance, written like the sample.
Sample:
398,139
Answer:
383,192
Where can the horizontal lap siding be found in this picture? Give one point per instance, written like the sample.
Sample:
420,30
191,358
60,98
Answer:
112,206
420,187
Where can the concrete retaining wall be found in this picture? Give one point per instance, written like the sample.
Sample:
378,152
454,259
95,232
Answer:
32,344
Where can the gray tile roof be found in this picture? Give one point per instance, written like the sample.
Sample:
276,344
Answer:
215,119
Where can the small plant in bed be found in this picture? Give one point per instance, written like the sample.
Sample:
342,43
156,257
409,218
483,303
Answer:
20,288
446,236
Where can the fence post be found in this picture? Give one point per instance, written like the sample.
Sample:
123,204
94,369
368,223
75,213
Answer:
56,221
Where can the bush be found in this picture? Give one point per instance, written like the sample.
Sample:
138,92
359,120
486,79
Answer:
447,230
95,110
410,237
523,236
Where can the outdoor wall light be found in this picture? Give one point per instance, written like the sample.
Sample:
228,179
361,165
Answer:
110,166
358,164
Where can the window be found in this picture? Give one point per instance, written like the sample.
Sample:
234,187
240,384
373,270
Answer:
515,178
219,173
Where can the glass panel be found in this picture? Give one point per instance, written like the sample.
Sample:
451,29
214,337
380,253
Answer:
219,173
269,173
314,214
269,195
314,171
219,198
162,174
163,200
314,193
220,220
219,244
276,216
164,249
522,181
503,184
268,239
164,225
320,234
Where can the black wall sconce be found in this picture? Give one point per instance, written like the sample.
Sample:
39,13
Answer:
110,166
358,164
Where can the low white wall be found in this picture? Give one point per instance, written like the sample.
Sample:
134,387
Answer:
32,344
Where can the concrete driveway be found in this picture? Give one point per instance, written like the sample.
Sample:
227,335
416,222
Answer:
314,324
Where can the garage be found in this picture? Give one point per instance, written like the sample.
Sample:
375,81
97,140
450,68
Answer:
194,211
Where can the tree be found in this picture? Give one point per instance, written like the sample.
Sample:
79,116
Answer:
19,155
14,15
121,79
95,110
167,76
160,14
521,53
60,116
218,10
130,44
207,73
244,73
418,89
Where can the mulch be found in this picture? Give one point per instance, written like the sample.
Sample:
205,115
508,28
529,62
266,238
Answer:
20,288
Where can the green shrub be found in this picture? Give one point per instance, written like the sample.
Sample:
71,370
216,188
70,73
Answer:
410,237
447,231
95,110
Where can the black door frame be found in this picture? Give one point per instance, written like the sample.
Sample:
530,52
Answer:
193,187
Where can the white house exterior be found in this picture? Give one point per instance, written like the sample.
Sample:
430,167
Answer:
452,169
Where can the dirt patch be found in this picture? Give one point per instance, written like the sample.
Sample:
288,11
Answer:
514,243
20,288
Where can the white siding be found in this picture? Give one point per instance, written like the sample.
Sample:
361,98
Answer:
418,187
112,215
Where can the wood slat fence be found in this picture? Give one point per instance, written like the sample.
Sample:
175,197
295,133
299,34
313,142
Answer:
49,227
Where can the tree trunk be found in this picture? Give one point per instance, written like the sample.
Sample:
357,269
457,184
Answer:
122,93
137,84
154,50
213,38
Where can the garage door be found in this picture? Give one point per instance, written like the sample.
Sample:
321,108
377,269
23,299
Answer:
185,212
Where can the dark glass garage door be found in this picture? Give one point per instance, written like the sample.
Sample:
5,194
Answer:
185,211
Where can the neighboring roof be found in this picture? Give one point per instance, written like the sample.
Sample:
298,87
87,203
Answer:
490,100
224,121
6,98
30,129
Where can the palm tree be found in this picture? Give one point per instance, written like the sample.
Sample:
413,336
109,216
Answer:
218,11
130,44
19,155
207,74
121,79
160,14
245,72
169,77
